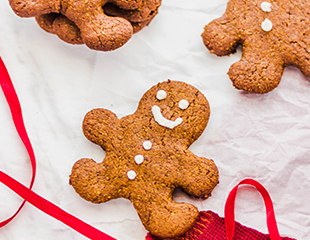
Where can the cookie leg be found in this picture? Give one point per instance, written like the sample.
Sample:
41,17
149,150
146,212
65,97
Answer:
165,218
220,38
25,8
46,21
67,31
99,31
91,181
256,72
61,26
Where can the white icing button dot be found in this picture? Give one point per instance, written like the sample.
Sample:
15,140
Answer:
131,174
161,94
139,159
147,145
267,25
266,6
183,104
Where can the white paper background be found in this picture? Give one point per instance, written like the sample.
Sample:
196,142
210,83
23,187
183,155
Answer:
265,137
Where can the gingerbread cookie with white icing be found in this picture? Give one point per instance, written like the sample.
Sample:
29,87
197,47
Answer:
273,34
147,157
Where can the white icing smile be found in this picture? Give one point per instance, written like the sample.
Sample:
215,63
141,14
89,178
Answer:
161,120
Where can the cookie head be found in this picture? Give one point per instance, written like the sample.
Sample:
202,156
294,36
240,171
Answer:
273,34
177,108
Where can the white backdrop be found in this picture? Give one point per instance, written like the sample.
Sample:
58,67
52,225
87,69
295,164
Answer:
265,137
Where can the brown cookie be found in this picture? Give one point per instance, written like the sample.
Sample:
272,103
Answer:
147,157
81,21
147,10
273,34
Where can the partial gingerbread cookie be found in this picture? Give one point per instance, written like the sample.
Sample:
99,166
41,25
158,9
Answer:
273,34
146,11
147,157
79,21
60,25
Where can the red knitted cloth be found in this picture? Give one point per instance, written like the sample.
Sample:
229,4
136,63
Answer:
210,226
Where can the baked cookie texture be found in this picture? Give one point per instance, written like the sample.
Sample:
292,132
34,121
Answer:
273,34
147,157
102,25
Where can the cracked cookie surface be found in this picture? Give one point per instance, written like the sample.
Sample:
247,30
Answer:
147,157
273,34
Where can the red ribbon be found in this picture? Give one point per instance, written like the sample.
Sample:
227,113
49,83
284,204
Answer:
26,193
230,210
52,210
12,99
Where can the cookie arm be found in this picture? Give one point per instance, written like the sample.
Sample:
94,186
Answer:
92,181
100,126
220,36
33,8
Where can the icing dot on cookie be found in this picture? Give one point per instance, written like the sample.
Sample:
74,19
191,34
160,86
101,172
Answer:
266,6
161,94
183,104
267,25
131,174
139,159
147,145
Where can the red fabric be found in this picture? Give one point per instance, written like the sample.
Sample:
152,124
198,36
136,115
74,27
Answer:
209,226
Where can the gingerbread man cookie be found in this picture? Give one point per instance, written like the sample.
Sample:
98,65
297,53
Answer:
147,157
101,25
273,34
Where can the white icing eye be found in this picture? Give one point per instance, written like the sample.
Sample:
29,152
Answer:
139,159
266,6
147,145
131,174
161,94
183,104
267,25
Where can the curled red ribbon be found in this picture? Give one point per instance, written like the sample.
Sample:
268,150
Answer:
12,99
26,193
